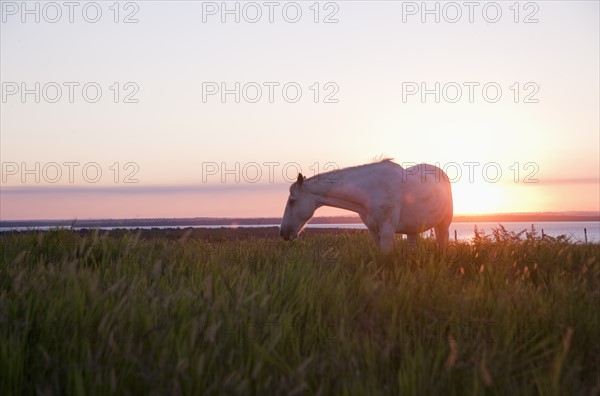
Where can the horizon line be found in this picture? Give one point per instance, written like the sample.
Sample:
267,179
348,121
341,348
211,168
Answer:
567,213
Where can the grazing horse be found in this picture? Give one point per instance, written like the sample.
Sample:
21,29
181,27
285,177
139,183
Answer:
388,198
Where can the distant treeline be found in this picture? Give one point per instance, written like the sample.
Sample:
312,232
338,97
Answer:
213,221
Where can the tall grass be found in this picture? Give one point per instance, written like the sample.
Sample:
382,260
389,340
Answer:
119,313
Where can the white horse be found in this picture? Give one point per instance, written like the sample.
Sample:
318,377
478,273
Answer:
388,198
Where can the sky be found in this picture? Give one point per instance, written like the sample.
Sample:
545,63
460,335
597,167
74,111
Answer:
210,109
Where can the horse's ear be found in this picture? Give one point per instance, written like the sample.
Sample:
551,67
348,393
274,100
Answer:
300,179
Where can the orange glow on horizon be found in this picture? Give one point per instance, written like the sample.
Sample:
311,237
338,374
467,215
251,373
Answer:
469,198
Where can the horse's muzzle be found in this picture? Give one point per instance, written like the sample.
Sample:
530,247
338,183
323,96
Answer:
286,234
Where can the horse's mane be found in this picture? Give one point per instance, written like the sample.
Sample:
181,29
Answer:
375,162
381,158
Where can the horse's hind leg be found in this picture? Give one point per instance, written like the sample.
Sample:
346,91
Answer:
412,239
442,230
442,233
411,243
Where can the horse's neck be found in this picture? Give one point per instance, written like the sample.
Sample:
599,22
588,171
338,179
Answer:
339,191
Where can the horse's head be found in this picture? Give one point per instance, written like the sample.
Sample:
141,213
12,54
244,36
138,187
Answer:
300,207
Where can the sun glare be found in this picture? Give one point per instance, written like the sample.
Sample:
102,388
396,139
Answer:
479,198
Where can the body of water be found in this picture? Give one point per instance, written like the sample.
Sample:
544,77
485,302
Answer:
464,231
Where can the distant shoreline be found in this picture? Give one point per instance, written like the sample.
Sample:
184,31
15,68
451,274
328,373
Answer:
212,221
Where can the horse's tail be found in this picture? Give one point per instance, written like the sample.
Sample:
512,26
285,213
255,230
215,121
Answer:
450,205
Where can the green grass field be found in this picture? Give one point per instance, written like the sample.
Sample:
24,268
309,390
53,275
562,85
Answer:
103,313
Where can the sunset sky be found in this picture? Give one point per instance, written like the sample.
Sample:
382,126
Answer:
172,146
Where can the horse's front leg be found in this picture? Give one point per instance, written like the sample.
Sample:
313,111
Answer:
374,235
386,238
373,229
